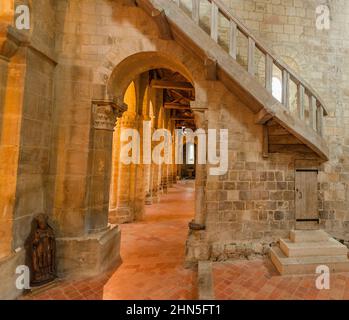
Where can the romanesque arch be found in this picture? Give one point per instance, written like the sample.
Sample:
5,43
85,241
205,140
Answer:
137,64
129,85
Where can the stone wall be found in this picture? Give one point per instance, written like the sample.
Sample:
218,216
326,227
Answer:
256,199
36,121
322,59
26,107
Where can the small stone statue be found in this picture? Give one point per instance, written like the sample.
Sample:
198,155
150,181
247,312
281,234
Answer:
43,251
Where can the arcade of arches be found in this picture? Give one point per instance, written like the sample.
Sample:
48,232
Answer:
161,97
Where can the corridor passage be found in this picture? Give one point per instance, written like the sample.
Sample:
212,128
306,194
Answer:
153,257
153,251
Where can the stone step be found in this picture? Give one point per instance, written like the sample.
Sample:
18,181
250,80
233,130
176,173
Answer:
331,247
308,236
307,265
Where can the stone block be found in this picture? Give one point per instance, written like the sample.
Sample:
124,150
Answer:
89,255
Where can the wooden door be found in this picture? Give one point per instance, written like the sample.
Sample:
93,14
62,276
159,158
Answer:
306,196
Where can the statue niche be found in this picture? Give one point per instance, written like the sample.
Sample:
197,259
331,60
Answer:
41,252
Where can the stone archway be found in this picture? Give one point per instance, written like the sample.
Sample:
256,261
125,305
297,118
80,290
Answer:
116,87
139,63
128,70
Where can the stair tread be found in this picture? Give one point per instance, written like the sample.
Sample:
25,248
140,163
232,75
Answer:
308,236
330,243
308,259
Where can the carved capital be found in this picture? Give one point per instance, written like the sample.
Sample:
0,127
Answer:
104,117
200,115
10,41
8,48
106,112
120,106
128,120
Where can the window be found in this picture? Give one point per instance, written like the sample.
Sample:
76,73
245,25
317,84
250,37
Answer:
277,88
190,153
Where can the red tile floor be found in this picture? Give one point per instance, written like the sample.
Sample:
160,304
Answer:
259,280
153,255
152,268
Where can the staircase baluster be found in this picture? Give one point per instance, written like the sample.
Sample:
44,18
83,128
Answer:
196,11
312,111
251,50
320,119
232,39
300,101
214,21
269,73
285,88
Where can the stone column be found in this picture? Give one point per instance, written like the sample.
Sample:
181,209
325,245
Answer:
197,247
156,181
148,176
149,186
164,176
138,176
200,180
115,170
174,164
97,249
104,119
124,208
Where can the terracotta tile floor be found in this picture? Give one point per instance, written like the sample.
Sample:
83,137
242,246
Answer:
153,255
259,280
152,268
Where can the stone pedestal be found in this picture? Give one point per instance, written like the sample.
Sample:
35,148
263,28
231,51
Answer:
197,248
148,199
155,196
8,276
305,250
89,255
121,215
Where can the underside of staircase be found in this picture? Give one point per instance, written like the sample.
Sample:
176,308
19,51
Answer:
285,130
306,250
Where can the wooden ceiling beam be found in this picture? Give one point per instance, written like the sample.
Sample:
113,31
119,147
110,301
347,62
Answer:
176,85
176,106
182,119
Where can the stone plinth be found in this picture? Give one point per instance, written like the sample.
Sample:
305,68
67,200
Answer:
197,248
306,250
90,255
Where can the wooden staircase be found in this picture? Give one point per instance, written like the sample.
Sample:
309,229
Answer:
301,127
